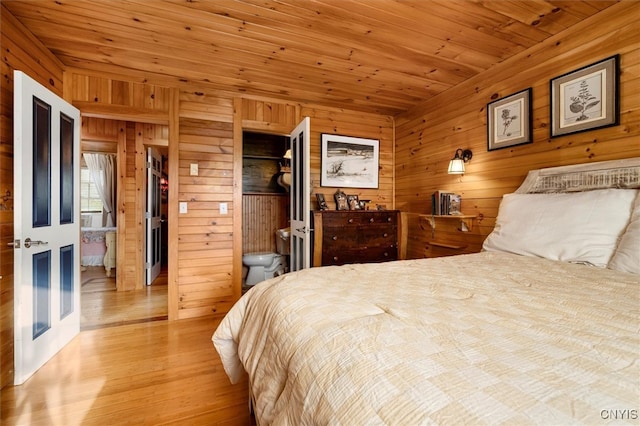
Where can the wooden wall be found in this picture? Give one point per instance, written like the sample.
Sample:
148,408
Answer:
21,51
428,136
357,124
262,216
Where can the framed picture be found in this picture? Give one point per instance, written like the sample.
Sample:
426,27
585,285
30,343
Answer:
322,203
509,121
353,202
349,162
586,98
341,200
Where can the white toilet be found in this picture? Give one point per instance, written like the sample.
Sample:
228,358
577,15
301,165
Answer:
262,266
265,265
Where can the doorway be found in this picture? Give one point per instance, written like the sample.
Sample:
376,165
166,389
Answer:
102,305
265,194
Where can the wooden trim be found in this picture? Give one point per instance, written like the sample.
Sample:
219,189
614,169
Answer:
141,170
121,112
121,161
403,231
261,126
237,198
317,238
174,171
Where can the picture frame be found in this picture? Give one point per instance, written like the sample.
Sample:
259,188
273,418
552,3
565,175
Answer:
354,203
341,200
349,162
585,99
322,203
509,121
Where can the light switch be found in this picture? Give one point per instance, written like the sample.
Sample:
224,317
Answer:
194,169
223,208
183,206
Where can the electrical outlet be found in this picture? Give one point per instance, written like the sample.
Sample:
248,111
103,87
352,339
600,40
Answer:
223,208
194,169
183,206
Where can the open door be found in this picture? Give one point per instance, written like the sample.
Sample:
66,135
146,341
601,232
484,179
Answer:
300,193
46,225
152,216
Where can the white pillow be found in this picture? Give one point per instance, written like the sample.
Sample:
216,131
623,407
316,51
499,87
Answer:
627,256
572,227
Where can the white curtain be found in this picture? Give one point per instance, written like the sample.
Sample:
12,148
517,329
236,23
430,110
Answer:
103,168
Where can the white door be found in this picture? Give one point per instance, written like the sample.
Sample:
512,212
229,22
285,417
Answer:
46,225
152,215
300,197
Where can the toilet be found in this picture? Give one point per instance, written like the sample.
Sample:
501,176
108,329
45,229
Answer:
265,265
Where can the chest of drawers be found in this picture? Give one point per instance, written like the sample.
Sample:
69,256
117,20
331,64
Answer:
355,236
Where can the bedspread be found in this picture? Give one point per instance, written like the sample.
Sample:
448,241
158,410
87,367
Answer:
93,245
487,338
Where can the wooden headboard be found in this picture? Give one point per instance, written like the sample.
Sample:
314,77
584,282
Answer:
583,177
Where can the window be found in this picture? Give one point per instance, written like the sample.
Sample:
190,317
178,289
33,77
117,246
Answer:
89,198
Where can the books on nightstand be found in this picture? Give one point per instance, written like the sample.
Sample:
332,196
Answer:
445,203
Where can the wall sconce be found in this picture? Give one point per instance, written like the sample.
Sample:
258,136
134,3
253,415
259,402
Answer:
456,165
284,178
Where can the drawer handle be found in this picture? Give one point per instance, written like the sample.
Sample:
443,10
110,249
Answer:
388,219
335,258
386,254
385,235
335,237
350,220
371,220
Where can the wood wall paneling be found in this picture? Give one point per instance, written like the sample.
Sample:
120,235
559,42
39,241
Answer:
356,124
427,137
262,216
205,237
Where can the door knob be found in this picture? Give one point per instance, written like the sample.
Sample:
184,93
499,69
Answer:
28,243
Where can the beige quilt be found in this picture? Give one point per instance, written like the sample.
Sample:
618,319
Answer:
487,338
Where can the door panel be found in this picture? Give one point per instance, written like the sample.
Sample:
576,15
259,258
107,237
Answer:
300,195
46,225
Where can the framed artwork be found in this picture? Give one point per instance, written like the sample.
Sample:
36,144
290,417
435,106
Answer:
349,162
586,98
322,203
354,203
509,121
341,200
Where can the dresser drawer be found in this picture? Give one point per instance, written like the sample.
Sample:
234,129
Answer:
359,255
339,218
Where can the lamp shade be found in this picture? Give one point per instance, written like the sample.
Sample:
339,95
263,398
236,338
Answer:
287,155
456,166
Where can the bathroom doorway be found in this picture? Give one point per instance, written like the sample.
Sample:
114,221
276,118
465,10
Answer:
265,195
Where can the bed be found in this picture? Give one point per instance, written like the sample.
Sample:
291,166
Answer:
541,327
94,246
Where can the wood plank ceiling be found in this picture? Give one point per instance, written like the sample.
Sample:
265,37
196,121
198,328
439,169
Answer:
381,56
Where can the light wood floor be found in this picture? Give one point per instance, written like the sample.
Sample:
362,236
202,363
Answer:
103,306
129,365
